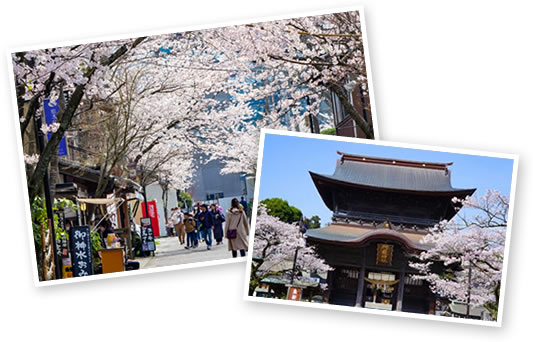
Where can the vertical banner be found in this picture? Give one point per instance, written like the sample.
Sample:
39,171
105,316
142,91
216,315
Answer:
50,114
147,235
81,251
111,210
152,213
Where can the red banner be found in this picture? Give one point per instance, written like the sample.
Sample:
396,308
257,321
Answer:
152,213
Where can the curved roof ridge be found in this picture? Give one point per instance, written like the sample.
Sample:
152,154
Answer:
393,161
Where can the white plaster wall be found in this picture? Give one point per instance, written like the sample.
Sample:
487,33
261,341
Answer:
154,192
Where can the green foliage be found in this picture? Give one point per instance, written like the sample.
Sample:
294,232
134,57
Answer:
329,131
96,244
185,200
39,217
313,222
281,209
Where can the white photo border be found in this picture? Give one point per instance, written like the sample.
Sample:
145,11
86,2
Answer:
20,151
497,323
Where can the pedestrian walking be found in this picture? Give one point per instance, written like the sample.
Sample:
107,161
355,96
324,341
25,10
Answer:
207,225
190,230
244,205
219,218
197,210
180,226
177,220
169,225
236,229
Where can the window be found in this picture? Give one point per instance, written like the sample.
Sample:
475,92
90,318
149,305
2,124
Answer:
338,108
410,281
215,196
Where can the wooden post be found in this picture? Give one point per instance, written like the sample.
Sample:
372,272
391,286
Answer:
43,253
127,228
360,287
432,306
401,286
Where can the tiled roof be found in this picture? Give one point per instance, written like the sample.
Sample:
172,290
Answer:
392,176
358,235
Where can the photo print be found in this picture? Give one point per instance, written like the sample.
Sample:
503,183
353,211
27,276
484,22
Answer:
379,227
140,153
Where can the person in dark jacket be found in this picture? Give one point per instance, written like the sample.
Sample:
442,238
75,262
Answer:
196,215
207,224
190,230
219,218
244,205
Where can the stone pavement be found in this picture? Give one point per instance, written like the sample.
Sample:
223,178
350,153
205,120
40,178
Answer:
169,252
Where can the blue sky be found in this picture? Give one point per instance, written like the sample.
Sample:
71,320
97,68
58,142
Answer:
287,160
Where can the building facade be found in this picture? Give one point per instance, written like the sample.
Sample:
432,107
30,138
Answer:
382,209
344,124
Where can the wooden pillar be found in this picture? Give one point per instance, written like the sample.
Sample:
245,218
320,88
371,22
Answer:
401,287
127,228
331,274
360,287
432,306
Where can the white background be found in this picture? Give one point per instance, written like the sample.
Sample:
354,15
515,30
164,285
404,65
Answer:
450,73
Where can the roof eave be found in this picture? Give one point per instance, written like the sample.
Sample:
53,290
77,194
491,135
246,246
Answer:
365,238
456,192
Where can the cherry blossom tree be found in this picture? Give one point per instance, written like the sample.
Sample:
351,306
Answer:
297,59
275,244
50,73
290,65
465,261
241,152
196,86
169,98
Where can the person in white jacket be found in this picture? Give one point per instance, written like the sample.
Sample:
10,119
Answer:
177,219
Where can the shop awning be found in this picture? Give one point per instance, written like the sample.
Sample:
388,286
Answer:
106,201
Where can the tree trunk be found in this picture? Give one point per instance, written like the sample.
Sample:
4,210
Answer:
75,100
51,147
164,197
354,114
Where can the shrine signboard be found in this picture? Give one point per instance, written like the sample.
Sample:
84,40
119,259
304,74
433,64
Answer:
384,254
81,251
295,293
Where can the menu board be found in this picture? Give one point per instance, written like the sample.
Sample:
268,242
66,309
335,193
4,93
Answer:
147,235
81,251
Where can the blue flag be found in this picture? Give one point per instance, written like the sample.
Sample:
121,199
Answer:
50,114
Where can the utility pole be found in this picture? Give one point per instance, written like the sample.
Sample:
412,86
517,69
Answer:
145,202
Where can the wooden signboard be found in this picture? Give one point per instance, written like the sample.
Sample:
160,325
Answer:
294,293
384,254
81,251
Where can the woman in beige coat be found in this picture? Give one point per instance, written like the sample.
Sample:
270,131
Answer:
236,229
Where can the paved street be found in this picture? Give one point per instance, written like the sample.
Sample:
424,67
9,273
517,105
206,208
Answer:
170,252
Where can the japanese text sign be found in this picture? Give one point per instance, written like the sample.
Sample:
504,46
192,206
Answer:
147,235
80,247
